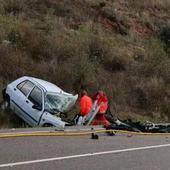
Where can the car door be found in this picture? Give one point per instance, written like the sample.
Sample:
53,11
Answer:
20,93
33,105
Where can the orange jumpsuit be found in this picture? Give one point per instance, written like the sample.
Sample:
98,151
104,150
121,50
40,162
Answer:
102,101
85,105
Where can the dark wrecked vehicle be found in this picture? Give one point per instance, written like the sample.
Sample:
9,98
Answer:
147,127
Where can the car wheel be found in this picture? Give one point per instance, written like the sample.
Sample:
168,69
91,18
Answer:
6,103
47,125
4,93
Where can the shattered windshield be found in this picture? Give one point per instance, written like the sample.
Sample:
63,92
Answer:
59,102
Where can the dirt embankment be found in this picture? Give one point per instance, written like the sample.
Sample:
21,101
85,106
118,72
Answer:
121,47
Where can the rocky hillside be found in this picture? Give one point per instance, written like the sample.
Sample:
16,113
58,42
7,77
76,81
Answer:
122,47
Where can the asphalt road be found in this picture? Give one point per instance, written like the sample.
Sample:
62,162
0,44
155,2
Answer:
120,152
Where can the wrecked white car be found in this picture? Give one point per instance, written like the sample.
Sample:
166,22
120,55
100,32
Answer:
37,101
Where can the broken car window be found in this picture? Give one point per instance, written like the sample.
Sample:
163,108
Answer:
56,102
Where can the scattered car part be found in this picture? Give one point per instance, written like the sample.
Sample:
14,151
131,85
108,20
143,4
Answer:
140,127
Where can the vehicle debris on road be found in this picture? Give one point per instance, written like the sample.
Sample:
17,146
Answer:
133,126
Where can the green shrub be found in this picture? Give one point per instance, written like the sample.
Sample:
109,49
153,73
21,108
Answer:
8,119
139,5
8,25
165,37
13,63
98,4
4,119
109,13
148,95
155,55
13,7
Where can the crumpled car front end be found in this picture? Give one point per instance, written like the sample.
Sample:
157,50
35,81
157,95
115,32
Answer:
51,120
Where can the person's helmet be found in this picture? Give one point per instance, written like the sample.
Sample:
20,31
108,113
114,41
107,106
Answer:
101,93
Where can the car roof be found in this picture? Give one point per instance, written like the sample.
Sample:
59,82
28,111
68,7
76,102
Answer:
49,87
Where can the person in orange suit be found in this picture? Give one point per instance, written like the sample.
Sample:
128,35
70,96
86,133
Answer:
85,105
102,101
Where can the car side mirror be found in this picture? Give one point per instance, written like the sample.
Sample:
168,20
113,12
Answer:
37,107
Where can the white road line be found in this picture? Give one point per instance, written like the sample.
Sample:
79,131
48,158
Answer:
82,155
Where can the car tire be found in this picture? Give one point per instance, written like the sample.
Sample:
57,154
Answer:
7,102
47,125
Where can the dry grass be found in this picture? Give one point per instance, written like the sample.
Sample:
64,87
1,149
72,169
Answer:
88,48
160,4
